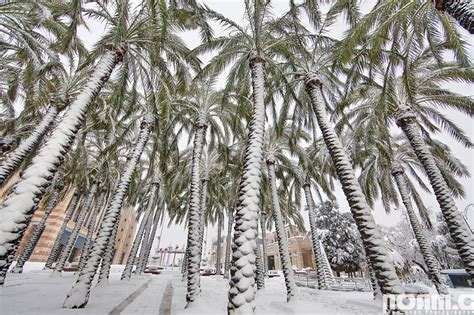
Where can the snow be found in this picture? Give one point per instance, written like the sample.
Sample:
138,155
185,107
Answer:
35,292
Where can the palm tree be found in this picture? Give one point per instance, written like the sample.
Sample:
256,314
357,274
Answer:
55,250
34,238
410,26
13,161
461,10
147,220
37,176
278,145
322,85
86,207
79,294
90,229
251,46
413,100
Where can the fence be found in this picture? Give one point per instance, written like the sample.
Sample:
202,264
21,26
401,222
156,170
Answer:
310,280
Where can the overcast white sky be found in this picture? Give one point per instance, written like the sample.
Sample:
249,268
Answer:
175,235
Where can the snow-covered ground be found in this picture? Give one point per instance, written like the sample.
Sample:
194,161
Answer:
34,292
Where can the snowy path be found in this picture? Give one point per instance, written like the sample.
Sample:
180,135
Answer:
35,293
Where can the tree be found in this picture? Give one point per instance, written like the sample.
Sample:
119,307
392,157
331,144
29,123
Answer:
340,238
461,10
38,231
79,294
251,46
146,220
54,254
371,237
86,207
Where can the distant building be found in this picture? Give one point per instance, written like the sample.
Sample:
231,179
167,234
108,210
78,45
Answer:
124,240
50,233
125,234
301,250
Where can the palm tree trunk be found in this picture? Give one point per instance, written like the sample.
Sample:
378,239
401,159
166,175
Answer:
373,281
219,242
75,232
147,238
290,283
228,244
194,218
371,237
106,262
17,210
15,158
263,226
142,261
204,184
433,267
147,220
458,230
53,255
90,231
242,271
79,294
260,276
34,238
318,256
460,10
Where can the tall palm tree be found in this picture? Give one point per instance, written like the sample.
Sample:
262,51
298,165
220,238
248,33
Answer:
55,250
406,25
37,176
278,146
313,67
413,100
251,47
461,10
79,294
90,229
86,207
34,238
147,219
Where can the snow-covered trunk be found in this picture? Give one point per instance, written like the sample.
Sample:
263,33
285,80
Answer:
263,226
75,231
79,294
15,158
291,289
327,265
228,244
219,243
194,217
147,220
430,260
321,271
106,261
142,260
53,255
204,185
149,243
260,276
374,245
458,230
183,263
373,281
242,271
90,231
34,238
17,209
460,10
